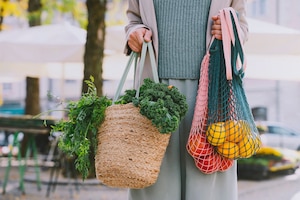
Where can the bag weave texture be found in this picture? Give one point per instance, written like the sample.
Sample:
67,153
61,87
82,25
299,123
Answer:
130,148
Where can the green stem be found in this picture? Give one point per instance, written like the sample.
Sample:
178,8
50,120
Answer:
87,130
49,111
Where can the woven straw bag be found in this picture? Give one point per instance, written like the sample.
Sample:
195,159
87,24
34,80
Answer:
130,149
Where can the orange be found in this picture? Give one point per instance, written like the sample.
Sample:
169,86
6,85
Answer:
245,127
216,134
247,146
228,150
234,131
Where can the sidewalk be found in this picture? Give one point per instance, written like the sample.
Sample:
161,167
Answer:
90,189
65,189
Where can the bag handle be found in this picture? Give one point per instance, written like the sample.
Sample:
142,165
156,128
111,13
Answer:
134,56
238,54
231,35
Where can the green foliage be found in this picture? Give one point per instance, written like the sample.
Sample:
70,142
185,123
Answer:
164,105
8,8
79,132
72,8
254,161
49,9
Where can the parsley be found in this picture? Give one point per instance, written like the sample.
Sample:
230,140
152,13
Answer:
79,132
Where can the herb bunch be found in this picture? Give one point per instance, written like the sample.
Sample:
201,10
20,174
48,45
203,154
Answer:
79,132
163,104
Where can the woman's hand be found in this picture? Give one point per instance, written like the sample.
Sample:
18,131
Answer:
216,29
136,39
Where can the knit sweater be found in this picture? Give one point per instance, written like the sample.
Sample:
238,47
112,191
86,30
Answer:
182,37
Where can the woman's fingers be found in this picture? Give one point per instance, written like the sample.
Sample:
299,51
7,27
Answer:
216,29
136,39
148,35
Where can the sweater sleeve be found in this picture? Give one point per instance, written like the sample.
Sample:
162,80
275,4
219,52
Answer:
240,7
134,21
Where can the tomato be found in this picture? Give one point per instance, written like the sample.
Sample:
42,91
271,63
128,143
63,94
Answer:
226,163
208,164
199,146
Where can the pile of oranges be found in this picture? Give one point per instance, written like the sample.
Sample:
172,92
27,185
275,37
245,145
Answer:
216,148
233,139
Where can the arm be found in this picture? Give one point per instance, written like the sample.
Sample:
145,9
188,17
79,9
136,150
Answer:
136,31
240,7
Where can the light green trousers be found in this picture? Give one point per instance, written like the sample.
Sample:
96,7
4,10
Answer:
179,179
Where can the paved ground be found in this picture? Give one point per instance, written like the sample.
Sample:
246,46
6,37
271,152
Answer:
65,189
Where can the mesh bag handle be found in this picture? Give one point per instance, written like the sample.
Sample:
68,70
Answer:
234,58
147,46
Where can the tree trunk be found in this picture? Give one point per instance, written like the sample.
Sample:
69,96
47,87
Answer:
93,57
32,104
34,9
94,48
32,101
1,17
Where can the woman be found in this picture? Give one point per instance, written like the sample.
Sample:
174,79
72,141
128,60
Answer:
181,31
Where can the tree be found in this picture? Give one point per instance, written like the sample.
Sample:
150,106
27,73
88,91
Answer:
8,8
94,48
32,100
34,12
94,52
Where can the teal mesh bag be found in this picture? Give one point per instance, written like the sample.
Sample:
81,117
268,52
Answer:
230,125
223,127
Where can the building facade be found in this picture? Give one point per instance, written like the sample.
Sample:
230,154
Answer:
281,12
279,97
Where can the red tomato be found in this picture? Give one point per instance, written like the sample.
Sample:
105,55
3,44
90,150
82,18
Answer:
199,146
208,164
226,163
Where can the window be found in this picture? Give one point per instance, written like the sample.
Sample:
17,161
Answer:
258,8
7,86
262,7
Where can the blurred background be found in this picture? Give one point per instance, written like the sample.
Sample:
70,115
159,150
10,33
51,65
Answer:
271,80
53,55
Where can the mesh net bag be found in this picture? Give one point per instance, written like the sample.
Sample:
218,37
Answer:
204,154
223,128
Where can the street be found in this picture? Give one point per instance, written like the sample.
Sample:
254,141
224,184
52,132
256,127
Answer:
279,187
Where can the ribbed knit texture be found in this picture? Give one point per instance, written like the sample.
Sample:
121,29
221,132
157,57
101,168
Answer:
182,34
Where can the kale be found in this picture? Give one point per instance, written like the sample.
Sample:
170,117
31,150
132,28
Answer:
164,105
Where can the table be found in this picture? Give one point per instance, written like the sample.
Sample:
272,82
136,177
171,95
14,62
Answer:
32,126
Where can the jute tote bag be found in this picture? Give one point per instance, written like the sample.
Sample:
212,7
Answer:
130,148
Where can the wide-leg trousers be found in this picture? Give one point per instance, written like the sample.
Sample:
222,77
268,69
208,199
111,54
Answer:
179,179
